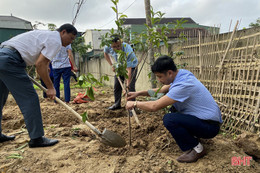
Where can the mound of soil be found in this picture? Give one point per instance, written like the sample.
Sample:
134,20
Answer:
152,147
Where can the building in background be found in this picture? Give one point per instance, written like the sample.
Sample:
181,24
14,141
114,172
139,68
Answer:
11,26
93,38
137,25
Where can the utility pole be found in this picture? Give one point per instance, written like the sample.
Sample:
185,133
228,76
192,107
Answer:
150,46
79,4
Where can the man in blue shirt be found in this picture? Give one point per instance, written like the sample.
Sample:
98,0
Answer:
197,114
132,63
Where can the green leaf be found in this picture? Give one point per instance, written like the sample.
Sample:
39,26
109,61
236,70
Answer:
14,156
21,147
123,16
84,117
115,10
90,93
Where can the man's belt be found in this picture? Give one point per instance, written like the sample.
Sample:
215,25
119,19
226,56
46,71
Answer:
8,47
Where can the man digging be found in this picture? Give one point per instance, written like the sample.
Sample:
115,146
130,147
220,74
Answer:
37,48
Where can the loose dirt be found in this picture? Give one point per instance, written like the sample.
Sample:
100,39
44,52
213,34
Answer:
79,150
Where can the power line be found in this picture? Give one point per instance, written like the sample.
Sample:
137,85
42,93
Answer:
79,3
122,12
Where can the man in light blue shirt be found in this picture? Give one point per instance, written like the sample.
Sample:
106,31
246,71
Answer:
196,114
132,63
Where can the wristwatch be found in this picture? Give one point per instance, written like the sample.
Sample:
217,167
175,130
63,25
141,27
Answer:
135,103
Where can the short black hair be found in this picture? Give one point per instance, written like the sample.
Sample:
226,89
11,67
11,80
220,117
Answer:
115,38
163,64
69,28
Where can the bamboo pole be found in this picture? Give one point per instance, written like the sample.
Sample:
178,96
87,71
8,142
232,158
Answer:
229,44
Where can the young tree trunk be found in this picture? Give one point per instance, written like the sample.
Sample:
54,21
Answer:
150,46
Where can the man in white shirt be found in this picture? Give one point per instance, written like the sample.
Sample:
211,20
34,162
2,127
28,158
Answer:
33,47
61,67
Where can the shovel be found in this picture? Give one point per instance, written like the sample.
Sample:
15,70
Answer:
108,137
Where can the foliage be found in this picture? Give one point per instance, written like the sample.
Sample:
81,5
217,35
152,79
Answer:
157,33
139,40
178,54
79,46
120,20
90,82
52,27
84,117
121,64
257,24
14,156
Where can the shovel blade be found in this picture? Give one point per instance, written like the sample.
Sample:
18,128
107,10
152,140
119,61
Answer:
112,139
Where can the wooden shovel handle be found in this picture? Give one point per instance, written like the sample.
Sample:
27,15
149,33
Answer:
67,107
133,111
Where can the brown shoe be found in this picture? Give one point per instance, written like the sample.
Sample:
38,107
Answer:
191,156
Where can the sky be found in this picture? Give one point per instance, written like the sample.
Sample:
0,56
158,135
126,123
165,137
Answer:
98,14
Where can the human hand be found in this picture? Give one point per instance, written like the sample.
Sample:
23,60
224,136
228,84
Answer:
113,68
129,105
75,69
131,95
51,93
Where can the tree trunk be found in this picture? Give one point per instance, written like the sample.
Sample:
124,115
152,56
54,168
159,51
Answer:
150,46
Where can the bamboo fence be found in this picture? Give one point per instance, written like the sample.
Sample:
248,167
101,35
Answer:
229,66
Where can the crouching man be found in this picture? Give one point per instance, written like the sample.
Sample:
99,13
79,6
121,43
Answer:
197,114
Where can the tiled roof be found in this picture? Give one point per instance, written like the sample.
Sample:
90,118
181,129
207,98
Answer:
14,23
141,21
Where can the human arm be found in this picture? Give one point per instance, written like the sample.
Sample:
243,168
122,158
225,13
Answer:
70,54
42,66
151,106
129,74
107,57
132,95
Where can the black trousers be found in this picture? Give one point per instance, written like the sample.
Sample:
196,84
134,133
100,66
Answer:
118,88
186,129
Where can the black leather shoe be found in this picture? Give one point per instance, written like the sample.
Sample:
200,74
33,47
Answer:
4,138
42,142
114,107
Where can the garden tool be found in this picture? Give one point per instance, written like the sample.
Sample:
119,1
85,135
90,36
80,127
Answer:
123,88
108,137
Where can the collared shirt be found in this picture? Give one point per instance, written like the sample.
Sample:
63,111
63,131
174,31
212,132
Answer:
31,44
192,97
61,60
131,58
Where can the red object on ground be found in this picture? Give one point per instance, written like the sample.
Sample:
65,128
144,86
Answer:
81,98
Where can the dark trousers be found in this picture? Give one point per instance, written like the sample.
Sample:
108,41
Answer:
13,78
118,88
65,73
186,129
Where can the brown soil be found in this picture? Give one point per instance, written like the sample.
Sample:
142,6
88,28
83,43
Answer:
79,150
